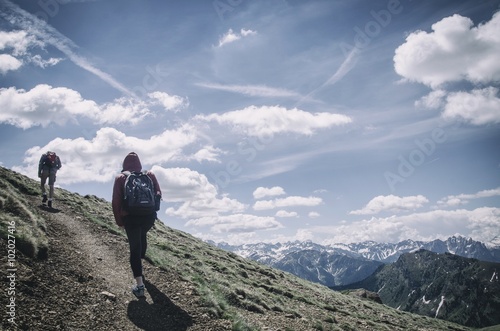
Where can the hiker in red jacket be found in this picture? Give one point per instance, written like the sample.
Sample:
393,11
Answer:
47,168
136,226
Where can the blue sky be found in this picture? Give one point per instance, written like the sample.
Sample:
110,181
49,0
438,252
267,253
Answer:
330,121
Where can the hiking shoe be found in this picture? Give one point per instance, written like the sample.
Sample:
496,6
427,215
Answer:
138,291
49,203
44,198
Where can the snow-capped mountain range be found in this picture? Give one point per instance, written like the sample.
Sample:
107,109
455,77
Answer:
342,264
383,252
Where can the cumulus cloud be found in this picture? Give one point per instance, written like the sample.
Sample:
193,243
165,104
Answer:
455,50
16,41
462,199
198,201
262,192
230,36
292,201
480,224
434,100
197,197
269,120
391,203
480,106
44,104
18,44
100,158
9,63
169,102
284,213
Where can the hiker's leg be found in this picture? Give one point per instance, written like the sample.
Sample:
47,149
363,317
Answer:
144,236
43,180
52,180
134,241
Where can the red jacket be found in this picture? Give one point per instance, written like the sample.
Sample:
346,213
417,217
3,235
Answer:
133,164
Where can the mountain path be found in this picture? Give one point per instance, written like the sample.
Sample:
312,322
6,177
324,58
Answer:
85,284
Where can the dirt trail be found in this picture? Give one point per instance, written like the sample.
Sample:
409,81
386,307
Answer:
85,284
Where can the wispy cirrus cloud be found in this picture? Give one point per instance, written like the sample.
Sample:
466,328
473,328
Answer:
253,90
48,35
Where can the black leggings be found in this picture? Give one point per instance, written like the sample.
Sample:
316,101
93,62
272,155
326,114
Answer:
137,230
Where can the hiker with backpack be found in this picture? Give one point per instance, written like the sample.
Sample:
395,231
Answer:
48,166
136,199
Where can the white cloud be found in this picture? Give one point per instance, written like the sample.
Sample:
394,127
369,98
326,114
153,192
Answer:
480,224
169,102
207,153
9,63
253,90
284,213
261,192
100,159
44,104
38,31
236,223
231,36
291,201
455,50
269,120
40,62
391,203
480,106
434,100
314,214
198,201
17,41
462,199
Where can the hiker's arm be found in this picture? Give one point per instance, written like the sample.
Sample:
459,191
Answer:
58,163
40,165
116,201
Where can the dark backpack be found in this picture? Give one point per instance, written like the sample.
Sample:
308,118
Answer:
50,159
139,194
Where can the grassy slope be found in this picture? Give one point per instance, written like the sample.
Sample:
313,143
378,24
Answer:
249,294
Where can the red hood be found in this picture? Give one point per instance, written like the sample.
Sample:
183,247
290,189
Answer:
132,163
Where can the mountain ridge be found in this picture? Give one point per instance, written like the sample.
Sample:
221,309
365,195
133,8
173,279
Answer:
459,289
371,250
341,264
